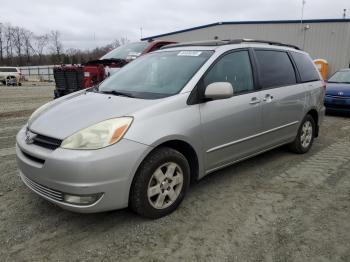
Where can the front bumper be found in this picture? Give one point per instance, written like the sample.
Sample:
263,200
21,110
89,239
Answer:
337,104
54,173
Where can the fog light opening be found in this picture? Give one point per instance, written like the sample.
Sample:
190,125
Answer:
82,200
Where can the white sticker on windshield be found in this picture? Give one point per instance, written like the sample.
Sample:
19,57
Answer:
189,53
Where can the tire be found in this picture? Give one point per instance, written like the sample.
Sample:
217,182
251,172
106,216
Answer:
305,136
160,201
19,84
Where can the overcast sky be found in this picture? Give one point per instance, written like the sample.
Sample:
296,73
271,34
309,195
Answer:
89,23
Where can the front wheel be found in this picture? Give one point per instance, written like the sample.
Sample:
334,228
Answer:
160,184
305,136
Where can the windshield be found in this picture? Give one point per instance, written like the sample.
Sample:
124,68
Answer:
127,52
340,77
156,75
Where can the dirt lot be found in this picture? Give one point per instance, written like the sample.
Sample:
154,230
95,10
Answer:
275,207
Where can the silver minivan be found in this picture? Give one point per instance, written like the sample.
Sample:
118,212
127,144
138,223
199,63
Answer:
167,119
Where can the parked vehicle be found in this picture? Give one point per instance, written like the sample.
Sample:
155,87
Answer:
169,118
10,76
75,77
337,98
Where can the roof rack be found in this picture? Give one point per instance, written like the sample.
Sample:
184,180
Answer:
228,42
196,43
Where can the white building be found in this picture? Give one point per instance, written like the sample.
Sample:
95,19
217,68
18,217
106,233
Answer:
324,38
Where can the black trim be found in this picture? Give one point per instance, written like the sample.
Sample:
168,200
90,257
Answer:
296,71
33,158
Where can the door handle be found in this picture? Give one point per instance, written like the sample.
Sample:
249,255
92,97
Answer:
268,98
254,101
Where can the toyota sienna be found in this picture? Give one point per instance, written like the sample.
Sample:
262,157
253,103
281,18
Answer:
167,119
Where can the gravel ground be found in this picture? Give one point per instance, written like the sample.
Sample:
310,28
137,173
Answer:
274,207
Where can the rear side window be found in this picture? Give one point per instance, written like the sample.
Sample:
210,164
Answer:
275,68
233,68
306,67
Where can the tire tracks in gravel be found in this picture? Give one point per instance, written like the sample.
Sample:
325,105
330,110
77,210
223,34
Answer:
249,240
313,177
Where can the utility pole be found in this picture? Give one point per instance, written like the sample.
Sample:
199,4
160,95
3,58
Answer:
303,2
303,29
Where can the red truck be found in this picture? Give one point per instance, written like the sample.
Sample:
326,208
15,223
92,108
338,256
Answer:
76,77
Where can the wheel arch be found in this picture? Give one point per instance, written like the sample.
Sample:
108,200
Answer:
314,114
184,148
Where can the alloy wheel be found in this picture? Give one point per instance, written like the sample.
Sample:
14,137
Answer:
165,185
306,134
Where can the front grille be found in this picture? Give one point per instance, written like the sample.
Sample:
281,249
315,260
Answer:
47,142
43,190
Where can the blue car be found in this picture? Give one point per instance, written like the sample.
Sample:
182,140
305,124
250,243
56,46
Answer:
337,98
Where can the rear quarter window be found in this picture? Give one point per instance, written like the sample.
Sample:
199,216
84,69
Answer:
275,68
305,67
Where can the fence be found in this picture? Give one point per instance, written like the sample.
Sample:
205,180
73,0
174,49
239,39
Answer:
37,73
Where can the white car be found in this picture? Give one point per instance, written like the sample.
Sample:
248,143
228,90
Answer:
10,76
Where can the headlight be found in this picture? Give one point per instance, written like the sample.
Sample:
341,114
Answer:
99,135
38,111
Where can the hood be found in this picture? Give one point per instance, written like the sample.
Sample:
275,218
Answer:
69,115
334,89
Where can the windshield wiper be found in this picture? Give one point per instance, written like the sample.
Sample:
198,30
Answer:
117,93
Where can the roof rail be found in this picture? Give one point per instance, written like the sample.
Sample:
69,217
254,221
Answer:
196,43
227,42
238,41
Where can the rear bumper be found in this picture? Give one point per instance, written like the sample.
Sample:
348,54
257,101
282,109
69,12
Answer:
333,104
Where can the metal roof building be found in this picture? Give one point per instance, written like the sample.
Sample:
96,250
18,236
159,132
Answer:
323,38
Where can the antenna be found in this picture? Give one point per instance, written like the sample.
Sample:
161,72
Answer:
344,14
141,32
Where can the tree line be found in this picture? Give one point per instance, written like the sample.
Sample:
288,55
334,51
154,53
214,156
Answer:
21,47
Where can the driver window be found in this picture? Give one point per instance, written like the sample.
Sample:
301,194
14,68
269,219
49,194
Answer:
234,68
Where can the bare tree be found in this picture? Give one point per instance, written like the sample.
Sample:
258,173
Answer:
119,42
39,44
17,34
9,42
27,37
17,43
2,40
56,44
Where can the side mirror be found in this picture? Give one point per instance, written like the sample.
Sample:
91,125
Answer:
219,90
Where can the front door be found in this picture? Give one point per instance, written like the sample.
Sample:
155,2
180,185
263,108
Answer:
230,126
